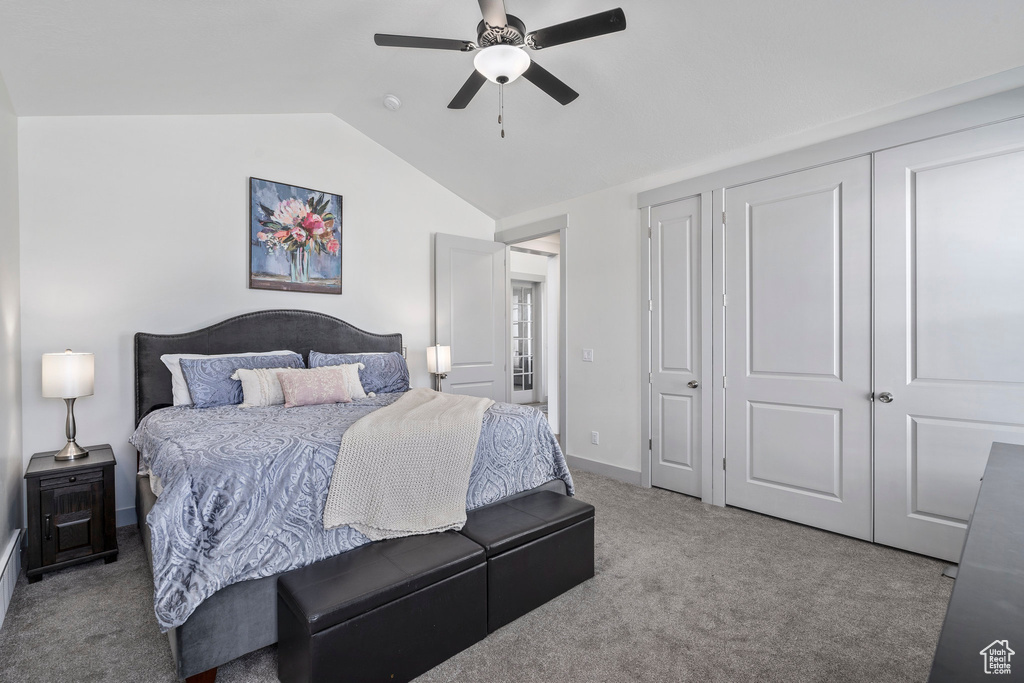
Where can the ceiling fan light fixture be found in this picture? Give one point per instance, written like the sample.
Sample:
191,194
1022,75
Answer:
502,63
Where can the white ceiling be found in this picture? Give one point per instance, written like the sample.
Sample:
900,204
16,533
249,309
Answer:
687,80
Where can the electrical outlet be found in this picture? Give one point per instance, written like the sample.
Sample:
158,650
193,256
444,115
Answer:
595,438
588,355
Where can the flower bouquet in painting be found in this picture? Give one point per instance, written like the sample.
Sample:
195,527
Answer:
295,238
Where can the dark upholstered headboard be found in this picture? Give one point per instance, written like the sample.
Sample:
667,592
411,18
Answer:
299,331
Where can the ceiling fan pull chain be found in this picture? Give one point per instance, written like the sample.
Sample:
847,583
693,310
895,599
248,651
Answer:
501,108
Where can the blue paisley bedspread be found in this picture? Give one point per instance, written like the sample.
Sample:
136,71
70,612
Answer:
244,489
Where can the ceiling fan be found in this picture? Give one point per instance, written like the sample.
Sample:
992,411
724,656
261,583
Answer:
501,58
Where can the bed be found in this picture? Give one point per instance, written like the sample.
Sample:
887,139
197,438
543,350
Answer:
240,617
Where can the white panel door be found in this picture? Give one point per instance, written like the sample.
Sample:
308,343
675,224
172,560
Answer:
471,307
675,347
798,355
949,328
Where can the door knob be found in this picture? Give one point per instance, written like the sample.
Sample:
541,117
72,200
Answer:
885,397
693,384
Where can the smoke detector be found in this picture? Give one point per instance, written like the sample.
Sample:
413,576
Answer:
392,103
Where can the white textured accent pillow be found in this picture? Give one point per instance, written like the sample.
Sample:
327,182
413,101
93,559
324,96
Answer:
350,376
179,389
260,387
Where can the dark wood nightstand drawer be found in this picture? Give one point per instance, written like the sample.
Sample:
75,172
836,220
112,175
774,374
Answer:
69,479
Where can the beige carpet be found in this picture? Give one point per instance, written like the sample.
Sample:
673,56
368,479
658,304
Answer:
683,592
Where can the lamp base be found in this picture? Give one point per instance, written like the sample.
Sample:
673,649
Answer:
438,377
72,451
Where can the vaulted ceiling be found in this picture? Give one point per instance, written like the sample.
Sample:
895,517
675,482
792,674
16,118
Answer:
687,80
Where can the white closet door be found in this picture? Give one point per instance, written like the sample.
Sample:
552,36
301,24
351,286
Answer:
797,357
675,347
471,308
949,328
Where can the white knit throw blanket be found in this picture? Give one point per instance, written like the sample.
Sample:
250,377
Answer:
404,469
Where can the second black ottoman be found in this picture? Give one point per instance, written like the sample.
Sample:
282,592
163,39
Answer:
537,547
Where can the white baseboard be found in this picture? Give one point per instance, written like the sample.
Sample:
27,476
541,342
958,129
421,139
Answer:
604,469
10,567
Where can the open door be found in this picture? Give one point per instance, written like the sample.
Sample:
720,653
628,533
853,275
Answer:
471,307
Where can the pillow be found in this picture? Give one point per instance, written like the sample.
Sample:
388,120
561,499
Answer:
384,373
350,376
260,387
179,390
209,379
313,387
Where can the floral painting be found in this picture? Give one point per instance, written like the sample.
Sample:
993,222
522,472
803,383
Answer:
294,238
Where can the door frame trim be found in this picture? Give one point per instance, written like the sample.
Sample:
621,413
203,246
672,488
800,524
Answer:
712,482
713,318
524,233
646,297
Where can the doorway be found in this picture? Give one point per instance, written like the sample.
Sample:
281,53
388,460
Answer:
532,375
537,350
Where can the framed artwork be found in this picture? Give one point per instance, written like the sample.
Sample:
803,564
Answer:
294,238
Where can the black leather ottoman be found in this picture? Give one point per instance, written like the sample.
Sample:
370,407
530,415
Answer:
537,546
386,611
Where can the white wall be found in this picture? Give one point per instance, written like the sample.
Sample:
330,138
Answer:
602,261
141,224
10,328
529,264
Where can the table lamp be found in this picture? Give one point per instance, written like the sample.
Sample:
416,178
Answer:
68,376
439,362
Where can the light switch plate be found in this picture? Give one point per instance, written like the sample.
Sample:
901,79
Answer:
588,355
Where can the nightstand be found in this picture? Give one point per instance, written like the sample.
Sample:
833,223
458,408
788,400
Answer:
71,513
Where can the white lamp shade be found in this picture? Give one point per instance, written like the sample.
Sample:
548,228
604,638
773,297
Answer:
502,60
439,359
68,374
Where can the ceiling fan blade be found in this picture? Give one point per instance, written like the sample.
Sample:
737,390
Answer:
468,90
388,40
543,79
587,27
494,13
